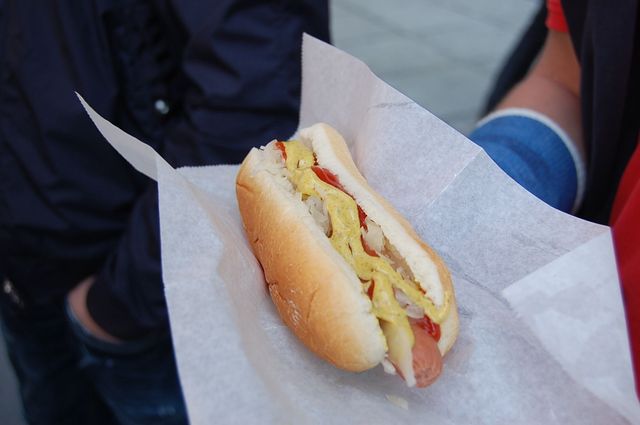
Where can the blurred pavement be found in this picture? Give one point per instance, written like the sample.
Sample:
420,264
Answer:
441,53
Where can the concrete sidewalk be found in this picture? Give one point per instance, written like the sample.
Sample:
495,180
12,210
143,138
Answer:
441,53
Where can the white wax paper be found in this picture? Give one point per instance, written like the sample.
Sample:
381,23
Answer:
542,332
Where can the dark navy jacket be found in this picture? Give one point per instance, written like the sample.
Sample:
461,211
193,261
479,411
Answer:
606,37
200,81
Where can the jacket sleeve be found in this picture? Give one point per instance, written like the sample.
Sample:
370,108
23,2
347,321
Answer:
242,68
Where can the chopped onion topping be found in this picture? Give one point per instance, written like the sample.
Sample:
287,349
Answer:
272,157
412,310
274,165
318,211
373,236
388,366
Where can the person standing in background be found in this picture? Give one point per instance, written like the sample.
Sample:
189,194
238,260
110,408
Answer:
82,306
569,132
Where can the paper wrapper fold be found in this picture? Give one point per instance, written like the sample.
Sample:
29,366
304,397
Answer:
542,332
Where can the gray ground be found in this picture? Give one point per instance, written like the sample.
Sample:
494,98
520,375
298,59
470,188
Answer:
441,53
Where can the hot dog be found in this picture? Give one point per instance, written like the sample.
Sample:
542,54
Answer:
346,272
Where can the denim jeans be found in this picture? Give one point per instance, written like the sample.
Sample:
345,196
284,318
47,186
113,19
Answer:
67,376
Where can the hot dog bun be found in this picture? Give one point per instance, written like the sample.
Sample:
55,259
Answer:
317,293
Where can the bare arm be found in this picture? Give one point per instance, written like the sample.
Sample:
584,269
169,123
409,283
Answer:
77,300
552,87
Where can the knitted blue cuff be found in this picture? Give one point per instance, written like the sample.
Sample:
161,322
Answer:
536,153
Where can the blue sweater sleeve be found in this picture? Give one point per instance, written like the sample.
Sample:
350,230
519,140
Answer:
536,153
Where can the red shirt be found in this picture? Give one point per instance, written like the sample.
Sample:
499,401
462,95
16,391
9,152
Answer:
625,222
555,16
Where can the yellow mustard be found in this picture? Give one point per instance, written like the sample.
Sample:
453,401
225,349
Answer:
345,238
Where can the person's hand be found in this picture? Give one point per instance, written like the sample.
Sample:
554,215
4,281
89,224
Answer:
77,300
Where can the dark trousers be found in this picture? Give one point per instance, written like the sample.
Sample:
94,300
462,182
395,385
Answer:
67,376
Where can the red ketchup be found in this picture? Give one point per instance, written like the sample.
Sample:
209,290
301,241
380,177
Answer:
370,290
327,176
283,150
432,328
362,216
